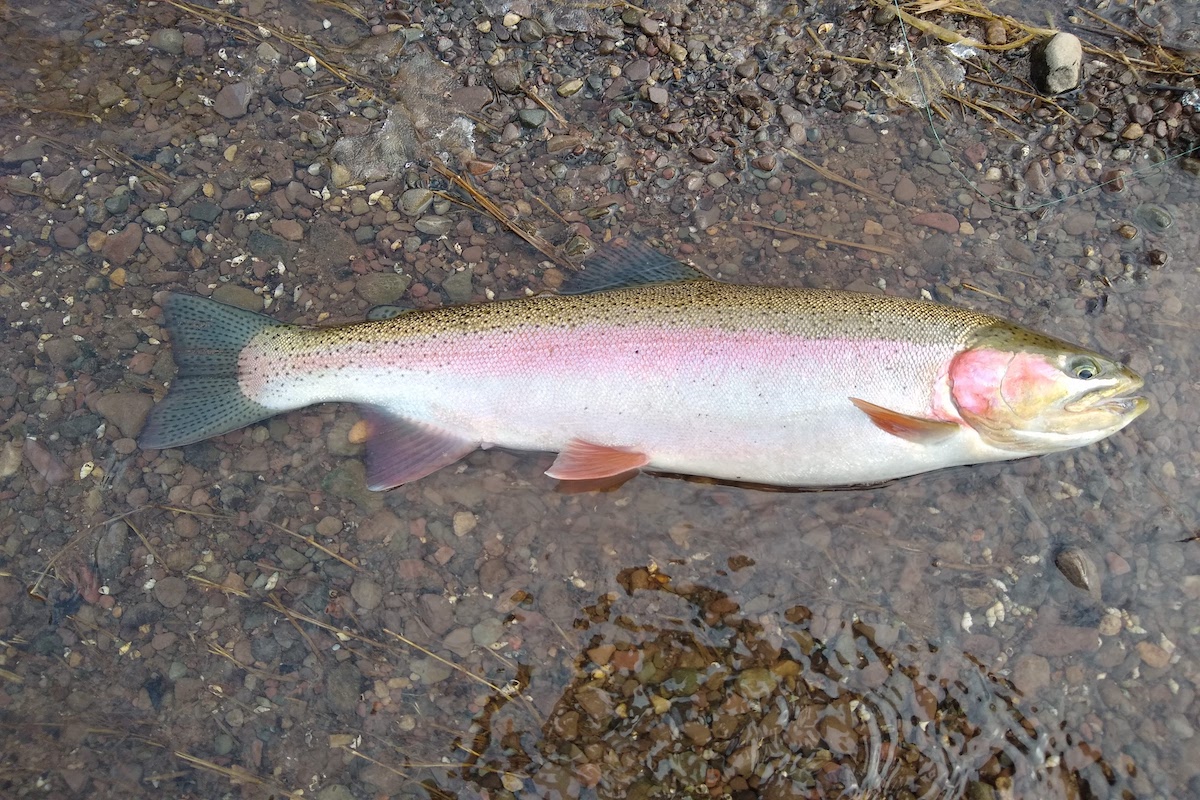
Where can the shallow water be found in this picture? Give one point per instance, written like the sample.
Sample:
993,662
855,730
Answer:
267,626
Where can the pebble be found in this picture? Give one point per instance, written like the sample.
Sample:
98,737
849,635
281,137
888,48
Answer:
532,117
570,87
120,247
938,220
289,229
126,411
64,185
170,591
1154,656
1079,223
233,100
169,40
905,191
464,523
434,226
380,288
367,593
416,202
487,632
458,287
1054,64
1031,673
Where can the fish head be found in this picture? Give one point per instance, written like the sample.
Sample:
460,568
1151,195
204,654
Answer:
1028,393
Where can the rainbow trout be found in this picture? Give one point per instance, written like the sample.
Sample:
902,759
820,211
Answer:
649,364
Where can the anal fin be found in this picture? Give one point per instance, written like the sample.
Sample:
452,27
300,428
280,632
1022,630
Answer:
400,451
914,429
586,461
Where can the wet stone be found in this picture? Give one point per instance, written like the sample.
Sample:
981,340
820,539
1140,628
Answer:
289,558
61,350
113,550
125,410
487,632
204,211
367,593
109,94
27,151
64,185
233,100
169,40
434,226
415,202
289,229
756,683
343,688
458,287
532,117
239,296
120,247
170,591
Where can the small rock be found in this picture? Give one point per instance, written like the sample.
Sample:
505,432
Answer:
416,202
658,95
367,593
126,410
120,247
905,190
994,32
290,558
487,632
64,185
458,287
233,100
342,688
289,229
755,683
569,87
1031,673
154,216
109,94
1154,656
28,151
938,220
205,211
532,117
1079,223
434,226
464,523
170,591
66,238
1054,64
240,296
380,288
169,40
61,350
1132,131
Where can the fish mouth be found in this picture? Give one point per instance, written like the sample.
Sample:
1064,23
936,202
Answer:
1118,400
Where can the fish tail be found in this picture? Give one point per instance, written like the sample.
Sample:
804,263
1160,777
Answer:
205,398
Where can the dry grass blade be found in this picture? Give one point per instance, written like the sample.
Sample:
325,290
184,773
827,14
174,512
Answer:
306,539
833,176
495,212
532,94
113,154
448,663
258,32
970,287
220,587
12,677
239,775
218,650
279,606
816,237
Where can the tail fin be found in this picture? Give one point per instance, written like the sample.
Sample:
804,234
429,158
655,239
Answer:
205,398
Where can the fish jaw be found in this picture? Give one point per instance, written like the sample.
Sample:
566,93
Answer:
1044,397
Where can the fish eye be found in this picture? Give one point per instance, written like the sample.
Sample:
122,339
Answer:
1085,369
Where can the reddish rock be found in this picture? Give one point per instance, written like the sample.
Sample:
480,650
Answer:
289,229
938,220
120,247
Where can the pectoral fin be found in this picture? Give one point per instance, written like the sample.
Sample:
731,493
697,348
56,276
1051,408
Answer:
399,451
914,429
586,461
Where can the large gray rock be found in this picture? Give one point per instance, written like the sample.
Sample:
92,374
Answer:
1054,64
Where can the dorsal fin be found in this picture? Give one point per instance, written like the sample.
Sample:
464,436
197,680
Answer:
622,263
